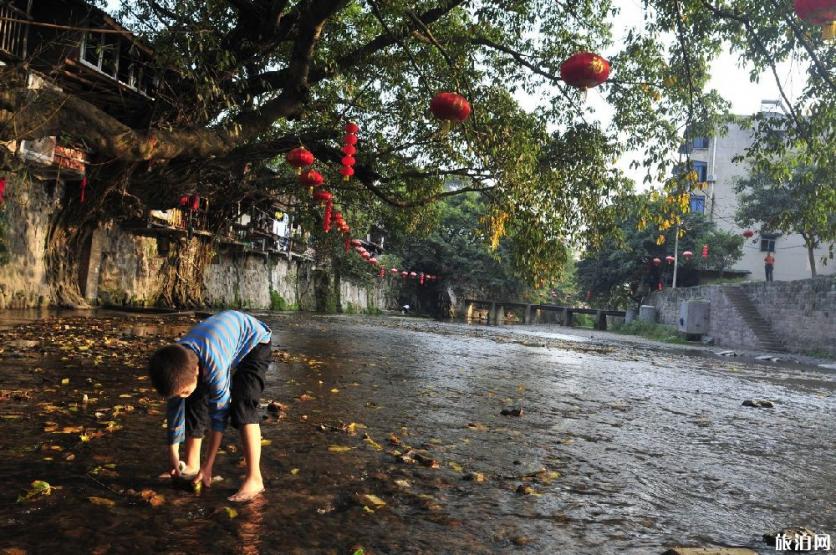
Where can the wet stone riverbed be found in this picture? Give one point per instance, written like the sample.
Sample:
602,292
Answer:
389,438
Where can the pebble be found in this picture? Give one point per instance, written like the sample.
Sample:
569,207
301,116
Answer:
525,489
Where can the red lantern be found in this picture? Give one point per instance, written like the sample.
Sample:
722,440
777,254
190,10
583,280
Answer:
413,275
819,12
450,106
356,243
194,199
687,255
366,256
323,196
421,278
394,271
352,128
2,189
299,158
657,262
184,201
349,150
346,172
748,233
382,273
373,260
705,251
585,70
669,259
404,274
311,178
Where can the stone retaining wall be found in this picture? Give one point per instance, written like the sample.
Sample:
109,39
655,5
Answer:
26,210
802,313
125,269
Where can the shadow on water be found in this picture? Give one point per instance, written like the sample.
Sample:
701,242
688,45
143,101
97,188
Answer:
618,450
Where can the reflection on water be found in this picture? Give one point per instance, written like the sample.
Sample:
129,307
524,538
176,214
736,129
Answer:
617,451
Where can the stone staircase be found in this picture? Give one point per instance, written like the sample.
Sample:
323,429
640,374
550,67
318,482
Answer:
767,339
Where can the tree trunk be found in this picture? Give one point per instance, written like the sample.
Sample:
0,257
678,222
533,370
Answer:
810,243
811,254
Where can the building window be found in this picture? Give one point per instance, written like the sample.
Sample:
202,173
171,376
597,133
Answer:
702,171
768,242
698,204
700,143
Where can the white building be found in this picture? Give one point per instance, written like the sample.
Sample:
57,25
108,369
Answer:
713,161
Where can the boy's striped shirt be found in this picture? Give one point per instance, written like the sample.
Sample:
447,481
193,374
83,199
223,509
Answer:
220,342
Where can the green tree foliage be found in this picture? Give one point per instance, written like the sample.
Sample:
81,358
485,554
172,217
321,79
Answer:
242,82
457,250
804,203
622,269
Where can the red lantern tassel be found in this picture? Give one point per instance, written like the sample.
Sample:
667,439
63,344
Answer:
347,245
2,189
83,188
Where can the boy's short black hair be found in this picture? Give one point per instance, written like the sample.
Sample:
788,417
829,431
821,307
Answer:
171,369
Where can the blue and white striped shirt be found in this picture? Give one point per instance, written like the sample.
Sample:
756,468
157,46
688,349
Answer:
220,342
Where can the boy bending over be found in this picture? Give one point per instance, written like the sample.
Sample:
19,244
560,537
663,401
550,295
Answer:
213,373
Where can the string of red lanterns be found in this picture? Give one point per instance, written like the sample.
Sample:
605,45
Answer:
349,149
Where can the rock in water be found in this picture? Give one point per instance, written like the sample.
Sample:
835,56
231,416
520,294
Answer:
758,403
512,411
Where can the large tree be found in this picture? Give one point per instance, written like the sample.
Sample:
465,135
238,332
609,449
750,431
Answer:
246,80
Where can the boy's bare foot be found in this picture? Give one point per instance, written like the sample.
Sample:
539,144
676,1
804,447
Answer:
249,491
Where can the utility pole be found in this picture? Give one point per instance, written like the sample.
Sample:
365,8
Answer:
675,256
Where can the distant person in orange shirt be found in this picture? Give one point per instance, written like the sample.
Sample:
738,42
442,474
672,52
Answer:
769,265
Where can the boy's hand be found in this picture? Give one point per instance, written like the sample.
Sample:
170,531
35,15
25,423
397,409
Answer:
204,476
174,461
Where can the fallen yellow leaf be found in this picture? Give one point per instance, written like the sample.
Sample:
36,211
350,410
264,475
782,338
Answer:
266,441
339,448
294,471
375,445
374,500
230,512
102,501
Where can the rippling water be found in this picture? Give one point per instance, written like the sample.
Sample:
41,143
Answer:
626,449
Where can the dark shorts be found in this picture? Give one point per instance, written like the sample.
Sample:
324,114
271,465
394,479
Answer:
246,388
